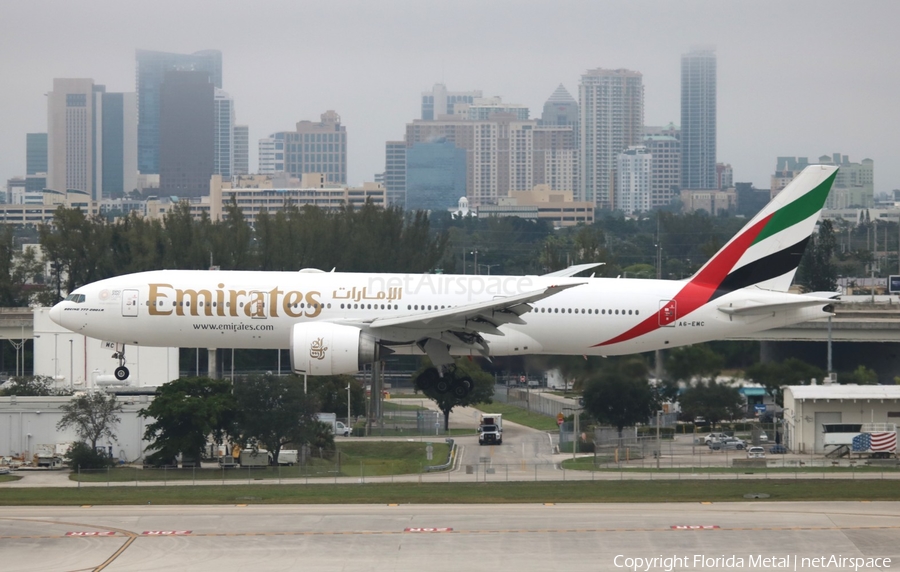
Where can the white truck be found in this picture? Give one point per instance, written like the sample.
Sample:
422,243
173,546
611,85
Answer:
490,429
337,427
251,458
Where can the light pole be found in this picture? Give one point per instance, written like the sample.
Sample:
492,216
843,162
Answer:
575,411
489,266
475,252
71,367
348,405
658,443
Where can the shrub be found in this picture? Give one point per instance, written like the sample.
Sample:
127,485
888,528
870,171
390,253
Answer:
81,456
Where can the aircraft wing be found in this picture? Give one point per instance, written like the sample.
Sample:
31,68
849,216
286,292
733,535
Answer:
436,330
755,308
573,270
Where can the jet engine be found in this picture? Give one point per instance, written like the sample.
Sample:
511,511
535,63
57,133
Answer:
326,348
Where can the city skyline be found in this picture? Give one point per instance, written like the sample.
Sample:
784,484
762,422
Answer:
800,84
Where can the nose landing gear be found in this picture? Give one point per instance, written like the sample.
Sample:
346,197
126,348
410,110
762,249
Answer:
121,372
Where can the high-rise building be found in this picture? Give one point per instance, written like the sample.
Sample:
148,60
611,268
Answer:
560,109
611,107
854,184
395,173
119,144
35,153
316,147
151,69
439,101
271,154
698,119
223,140
724,176
633,167
241,150
482,108
435,176
664,145
91,139
186,133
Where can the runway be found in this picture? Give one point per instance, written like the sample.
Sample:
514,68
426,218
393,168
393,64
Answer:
533,537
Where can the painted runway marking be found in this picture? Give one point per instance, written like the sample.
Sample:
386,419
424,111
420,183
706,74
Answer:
91,533
428,530
167,533
698,527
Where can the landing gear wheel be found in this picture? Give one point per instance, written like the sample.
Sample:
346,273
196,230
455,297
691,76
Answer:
427,379
121,373
442,385
461,387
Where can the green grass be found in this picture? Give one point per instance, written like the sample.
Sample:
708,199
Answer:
394,406
586,464
9,478
356,460
464,493
521,416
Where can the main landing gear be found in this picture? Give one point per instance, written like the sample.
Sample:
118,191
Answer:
121,372
447,379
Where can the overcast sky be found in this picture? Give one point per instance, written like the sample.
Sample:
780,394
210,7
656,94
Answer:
800,78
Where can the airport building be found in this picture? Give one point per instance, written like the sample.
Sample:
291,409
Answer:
808,407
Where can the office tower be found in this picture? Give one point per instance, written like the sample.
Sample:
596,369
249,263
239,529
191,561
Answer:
271,154
35,153
119,144
223,139
611,107
854,184
395,173
151,69
560,109
664,145
633,168
71,135
439,101
241,150
698,119
482,108
435,175
316,147
186,133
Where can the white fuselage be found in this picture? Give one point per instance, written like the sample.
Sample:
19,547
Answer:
245,309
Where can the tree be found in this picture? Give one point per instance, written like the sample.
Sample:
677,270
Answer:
330,392
713,401
81,456
774,376
35,385
275,411
860,376
621,395
186,412
482,389
688,362
94,417
817,270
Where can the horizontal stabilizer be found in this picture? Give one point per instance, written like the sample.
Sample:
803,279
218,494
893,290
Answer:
756,308
573,270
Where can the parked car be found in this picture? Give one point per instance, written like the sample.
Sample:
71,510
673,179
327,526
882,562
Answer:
714,437
756,453
778,449
700,421
763,438
727,443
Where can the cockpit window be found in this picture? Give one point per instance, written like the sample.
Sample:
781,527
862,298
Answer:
77,298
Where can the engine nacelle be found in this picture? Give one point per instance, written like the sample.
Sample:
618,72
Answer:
326,348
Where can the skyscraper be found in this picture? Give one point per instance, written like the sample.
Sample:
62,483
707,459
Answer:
151,68
223,139
439,101
435,176
698,119
664,144
35,153
316,147
271,154
611,106
186,132
241,150
395,173
633,180
91,139
560,109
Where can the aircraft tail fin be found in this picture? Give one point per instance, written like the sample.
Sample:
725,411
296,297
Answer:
767,251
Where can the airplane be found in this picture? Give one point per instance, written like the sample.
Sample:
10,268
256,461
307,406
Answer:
335,322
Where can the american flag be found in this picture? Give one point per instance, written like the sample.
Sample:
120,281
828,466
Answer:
877,441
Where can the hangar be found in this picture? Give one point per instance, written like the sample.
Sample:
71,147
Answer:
808,407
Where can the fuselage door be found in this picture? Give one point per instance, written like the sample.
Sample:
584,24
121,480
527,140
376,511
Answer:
668,313
130,303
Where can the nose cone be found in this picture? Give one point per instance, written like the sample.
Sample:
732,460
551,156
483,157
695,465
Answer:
56,314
